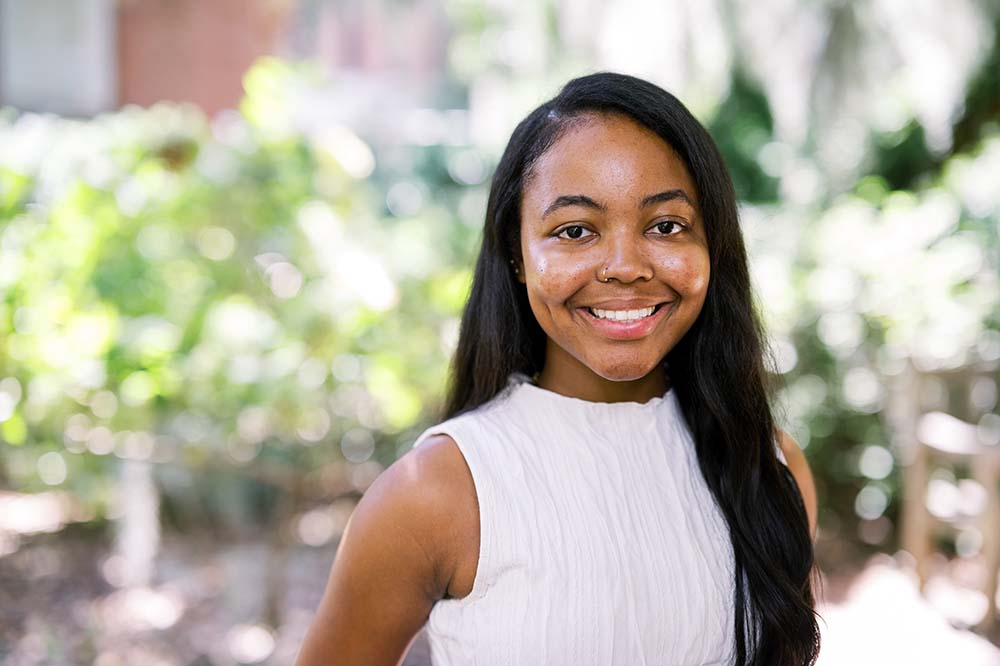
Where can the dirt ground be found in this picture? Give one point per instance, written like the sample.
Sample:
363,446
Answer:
207,608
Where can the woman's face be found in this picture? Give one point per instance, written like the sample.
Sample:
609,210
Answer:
610,200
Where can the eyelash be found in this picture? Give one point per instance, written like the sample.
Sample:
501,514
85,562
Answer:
682,227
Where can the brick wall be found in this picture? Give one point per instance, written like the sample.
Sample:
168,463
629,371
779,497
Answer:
193,50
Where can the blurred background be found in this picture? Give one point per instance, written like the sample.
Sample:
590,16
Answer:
236,237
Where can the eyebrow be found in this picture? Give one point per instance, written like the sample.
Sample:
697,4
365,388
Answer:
586,202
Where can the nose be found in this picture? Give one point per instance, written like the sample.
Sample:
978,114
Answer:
624,259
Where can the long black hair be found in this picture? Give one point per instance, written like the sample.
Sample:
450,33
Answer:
717,369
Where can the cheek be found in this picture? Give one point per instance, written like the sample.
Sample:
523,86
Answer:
689,273
553,281
549,289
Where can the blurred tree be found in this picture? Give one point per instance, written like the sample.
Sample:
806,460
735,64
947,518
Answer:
742,126
264,306
224,296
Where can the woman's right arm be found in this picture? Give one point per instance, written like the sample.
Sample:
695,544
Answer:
392,563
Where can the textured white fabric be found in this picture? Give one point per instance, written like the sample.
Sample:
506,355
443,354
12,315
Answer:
600,542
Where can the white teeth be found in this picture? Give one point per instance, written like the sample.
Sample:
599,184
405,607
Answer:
622,315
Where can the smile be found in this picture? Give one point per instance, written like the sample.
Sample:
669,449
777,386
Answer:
623,315
625,324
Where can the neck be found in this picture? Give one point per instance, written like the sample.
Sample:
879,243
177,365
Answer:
583,383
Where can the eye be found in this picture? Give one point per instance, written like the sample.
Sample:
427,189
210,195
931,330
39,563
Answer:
573,232
669,227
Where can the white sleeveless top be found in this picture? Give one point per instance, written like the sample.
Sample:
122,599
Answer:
600,542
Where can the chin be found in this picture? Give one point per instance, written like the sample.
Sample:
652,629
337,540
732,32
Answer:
625,371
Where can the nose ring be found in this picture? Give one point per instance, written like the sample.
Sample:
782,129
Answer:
604,275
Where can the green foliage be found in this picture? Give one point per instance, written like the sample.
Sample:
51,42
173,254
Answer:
217,295
262,306
880,278
741,127
902,157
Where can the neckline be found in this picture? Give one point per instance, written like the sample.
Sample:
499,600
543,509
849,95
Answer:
522,382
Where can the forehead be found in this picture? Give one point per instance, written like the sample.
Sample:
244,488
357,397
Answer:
608,156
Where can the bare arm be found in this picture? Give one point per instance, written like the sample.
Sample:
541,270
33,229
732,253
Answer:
799,468
391,565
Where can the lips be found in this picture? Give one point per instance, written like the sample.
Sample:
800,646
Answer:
627,330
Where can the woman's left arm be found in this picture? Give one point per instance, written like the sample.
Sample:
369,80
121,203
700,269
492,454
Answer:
799,468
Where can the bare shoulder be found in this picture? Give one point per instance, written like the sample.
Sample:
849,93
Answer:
394,561
438,457
799,467
428,486
791,449
787,442
456,518
436,495
437,468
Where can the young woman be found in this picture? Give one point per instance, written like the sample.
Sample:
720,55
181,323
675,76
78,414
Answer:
605,487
